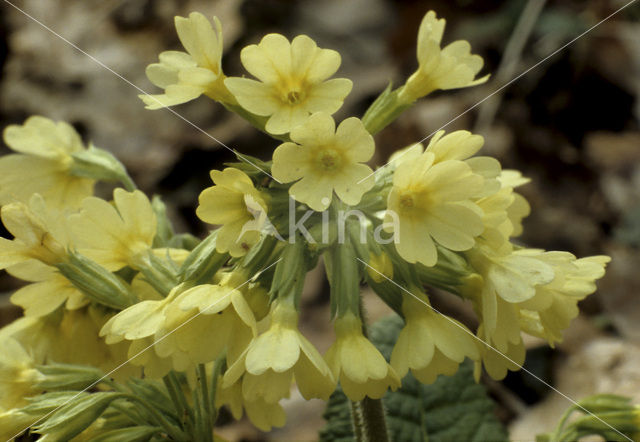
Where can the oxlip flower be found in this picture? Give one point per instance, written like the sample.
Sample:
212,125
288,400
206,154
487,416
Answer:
42,164
236,204
293,81
432,202
323,160
115,235
430,343
357,364
279,355
185,76
451,67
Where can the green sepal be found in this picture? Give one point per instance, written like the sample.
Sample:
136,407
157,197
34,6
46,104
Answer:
384,110
164,230
68,377
129,434
99,164
161,274
343,272
290,272
203,262
75,416
47,402
96,282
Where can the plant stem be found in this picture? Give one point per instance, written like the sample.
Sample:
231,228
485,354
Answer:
175,432
368,416
207,417
369,422
185,414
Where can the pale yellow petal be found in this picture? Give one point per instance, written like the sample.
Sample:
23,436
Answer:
357,179
256,97
315,194
286,118
276,349
218,205
414,243
353,138
290,163
200,40
328,96
312,63
454,226
318,129
458,145
268,60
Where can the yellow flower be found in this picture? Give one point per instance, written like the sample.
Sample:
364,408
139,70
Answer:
235,203
449,68
42,164
18,374
325,160
49,291
138,324
115,235
357,364
187,327
430,344
186,76
67,336
293,81
513,276
39,234
505,280
432,202
497,361
225,316
458,145
278,355
519,207
498,227
555,304
262,414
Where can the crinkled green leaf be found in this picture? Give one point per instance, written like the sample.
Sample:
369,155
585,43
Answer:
452,409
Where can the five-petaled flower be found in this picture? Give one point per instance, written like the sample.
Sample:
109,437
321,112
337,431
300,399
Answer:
293,81
322,160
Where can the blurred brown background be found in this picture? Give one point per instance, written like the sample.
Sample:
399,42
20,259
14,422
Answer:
571,124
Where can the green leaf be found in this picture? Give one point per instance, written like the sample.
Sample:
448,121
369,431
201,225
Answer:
452,409
130,434
68,377
73,417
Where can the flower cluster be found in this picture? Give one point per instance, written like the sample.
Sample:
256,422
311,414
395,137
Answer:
112,286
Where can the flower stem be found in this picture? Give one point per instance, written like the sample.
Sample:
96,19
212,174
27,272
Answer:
371,423
368,416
